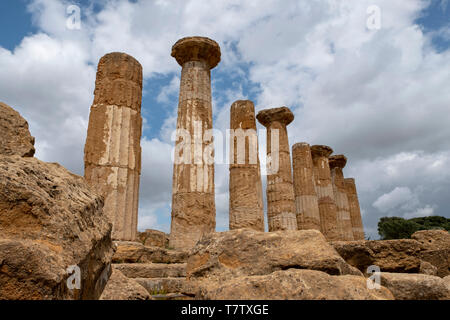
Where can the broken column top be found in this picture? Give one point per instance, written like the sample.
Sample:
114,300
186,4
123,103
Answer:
283,115
119,65
337,161
350,184
300,145
197,49
242,115
321,151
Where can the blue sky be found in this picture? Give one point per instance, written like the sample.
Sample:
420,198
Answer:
378,96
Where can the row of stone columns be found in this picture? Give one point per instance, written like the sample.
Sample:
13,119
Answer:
310,194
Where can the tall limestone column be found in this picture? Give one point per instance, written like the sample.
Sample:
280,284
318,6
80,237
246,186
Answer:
112,154
246,201
355,211
281,211
324,189
193,204
337,163
308,216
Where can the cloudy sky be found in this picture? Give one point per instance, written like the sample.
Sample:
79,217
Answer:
376,90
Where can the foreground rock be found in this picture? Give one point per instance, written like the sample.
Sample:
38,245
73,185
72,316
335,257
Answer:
389,255
247,252
427,252
135,252
120,287
154,238
15,139
292,284
435,249
50,220
415,286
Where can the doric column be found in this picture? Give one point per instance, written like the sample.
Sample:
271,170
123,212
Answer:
281,211
337,163
355,211
246,203
112,154
324,189
308,216
193,205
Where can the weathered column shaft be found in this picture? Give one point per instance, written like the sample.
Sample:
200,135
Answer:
355,211
112,153
246,201
193,203
308,216
281,211
324,189
337,163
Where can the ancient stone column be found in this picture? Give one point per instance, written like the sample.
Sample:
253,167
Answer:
324,189
246,203
355,211
308,216
337,163
281,211
112,154
193,205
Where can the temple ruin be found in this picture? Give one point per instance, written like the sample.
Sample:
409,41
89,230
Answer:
246,200
281,211
310,193
112,154
193,203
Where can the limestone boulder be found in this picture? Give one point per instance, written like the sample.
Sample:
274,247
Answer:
15,139
135,252
154,238
390,255
51,223
415,286
435,249
120,287
247,252
291,284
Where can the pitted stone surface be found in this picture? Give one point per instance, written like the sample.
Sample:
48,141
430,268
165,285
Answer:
112,153
324,189
308,216
193,203
15,138
337,163
246,201
281,210
355,211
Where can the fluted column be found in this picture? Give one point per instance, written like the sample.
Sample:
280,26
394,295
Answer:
281,211
355,211
337,163
246,203
112,154
308,216
324,189
193,204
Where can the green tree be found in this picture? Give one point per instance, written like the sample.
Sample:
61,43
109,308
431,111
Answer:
400,228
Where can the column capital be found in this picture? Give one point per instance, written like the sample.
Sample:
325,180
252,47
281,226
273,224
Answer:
283,115
197,49
321,151
337,161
